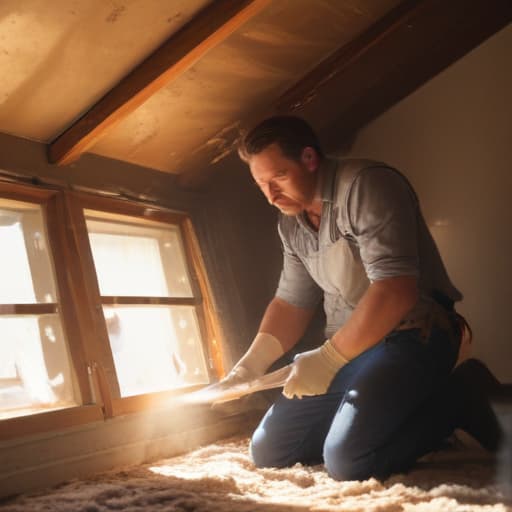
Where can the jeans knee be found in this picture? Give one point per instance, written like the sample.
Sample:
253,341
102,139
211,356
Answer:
262,450
344,463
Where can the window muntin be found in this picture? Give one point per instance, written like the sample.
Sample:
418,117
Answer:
35,369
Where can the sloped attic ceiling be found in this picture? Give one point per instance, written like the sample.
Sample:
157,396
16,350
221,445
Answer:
168,84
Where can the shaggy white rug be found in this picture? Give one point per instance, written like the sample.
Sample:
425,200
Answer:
221,477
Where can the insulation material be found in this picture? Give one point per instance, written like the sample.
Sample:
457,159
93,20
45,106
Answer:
222,477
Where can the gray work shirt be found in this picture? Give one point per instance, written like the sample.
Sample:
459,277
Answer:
371,228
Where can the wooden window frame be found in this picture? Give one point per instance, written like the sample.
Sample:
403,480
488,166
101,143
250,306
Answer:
81,306
202,299
51,202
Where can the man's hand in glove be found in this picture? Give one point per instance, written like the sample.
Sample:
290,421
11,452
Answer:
313,371
264,350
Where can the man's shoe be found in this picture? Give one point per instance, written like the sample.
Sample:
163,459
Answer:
472,386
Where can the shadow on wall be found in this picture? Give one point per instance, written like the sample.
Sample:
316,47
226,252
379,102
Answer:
241,249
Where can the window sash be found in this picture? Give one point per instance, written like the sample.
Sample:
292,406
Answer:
46,200
115,209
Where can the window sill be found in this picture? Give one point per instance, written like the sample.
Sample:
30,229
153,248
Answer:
147,402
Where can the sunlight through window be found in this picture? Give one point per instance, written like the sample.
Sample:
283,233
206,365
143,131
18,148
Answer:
142,275
35,373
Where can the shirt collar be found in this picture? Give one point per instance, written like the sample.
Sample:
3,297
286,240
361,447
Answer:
325,188
327,172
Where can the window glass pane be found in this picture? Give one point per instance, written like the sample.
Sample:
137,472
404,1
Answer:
155,348
35,373
25,270
138,260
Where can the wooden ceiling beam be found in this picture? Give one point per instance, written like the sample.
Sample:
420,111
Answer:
399,53
342,59
182,50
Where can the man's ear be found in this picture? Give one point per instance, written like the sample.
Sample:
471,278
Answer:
310,158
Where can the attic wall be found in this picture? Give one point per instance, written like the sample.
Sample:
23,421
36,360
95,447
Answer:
239,229
452,139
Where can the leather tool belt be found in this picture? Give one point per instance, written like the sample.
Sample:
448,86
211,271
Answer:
440,314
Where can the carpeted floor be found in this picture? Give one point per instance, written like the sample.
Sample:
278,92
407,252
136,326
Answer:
221,477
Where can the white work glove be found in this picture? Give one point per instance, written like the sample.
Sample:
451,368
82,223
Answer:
313,371
264,350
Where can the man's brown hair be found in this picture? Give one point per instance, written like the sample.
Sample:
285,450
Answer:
292,134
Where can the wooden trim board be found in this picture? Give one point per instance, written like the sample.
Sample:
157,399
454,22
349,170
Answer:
183,49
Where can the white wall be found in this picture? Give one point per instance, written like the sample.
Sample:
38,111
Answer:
453,139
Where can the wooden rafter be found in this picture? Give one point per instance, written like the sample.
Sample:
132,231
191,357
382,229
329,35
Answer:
403,49
307,88
183,49
400,52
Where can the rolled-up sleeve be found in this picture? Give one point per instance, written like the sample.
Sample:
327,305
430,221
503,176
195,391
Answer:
296,286
383,213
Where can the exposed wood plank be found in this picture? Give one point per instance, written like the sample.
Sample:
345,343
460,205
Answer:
12,428
62,255
114,209
154,301
309,86
86,297
27,193
28,309
213,24
207,315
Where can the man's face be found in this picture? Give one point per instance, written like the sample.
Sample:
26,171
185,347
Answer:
287,184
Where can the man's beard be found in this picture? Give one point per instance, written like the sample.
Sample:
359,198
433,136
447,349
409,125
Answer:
289,210
286,206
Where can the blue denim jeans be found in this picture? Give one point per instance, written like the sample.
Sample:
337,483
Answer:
382,411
